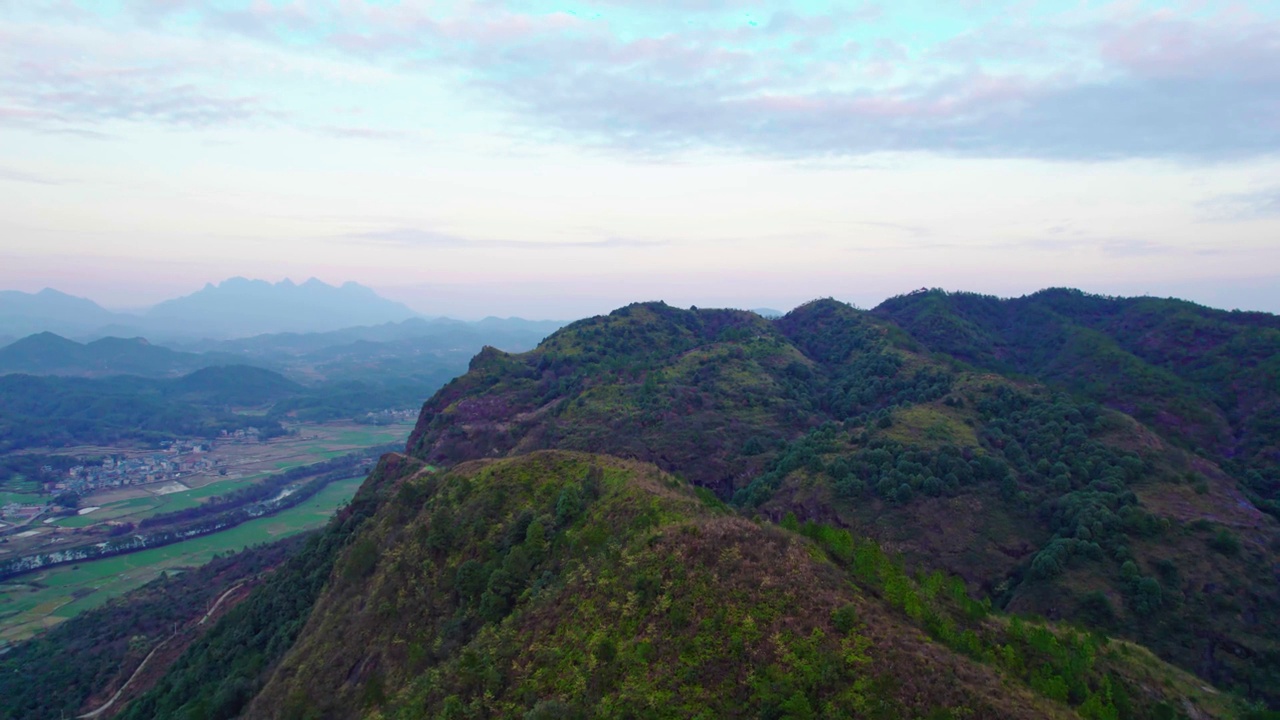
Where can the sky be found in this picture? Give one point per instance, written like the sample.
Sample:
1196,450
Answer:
558,159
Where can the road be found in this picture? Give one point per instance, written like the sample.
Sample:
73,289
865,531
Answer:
145,660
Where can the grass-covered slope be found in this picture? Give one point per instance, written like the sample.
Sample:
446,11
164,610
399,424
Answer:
566,585
1045,502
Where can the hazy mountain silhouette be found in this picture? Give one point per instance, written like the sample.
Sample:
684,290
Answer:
49,354
241,307
50,310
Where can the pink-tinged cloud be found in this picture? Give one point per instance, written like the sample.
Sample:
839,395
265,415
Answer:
1124,83
1170,48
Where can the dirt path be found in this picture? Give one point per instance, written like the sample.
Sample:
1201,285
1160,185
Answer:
218,602
106,706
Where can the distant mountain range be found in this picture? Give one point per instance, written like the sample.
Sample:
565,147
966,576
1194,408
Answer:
417,347
26,313
511,334
234,308
240,307
49,354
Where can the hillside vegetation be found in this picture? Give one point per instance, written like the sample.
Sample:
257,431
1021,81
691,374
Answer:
951,506
90,656
58,412
222,671
574,585
47,411
1207,380
1041,497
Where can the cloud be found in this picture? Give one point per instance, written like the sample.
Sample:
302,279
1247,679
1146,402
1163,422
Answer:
62,84
348,132
1056,240
416,237
26,177
912,230
1153,85
1112,83
1243,207
78,77
1116,247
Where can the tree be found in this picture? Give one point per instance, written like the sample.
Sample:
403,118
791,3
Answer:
69,500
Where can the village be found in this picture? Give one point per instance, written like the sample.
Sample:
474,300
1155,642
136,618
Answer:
388,417
111,487
174,460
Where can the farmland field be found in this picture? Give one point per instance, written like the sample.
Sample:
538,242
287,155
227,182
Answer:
243,465
31,603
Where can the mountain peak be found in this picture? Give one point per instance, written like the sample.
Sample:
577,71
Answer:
49,309
240,307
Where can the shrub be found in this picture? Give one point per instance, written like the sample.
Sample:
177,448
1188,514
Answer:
1225,542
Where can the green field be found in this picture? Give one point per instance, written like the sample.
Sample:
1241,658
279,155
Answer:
42,600
369,437
18,497
138,508
37,601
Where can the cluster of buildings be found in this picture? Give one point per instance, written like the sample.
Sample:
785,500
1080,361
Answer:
177,460
18,513
241,435
388,417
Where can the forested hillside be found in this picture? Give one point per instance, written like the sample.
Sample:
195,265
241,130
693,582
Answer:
1039,496
223,671
950,506
560,585
1207,380
44,411
57,412
81,663
49,354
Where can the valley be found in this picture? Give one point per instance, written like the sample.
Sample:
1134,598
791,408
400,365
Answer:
37,600
225,467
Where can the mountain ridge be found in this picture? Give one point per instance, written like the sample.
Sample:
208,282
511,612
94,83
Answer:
1203,377
27,313
841,415
253,307
572,585
585,528
47,353
236,307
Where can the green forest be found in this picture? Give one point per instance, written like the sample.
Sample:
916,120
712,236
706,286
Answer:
53,412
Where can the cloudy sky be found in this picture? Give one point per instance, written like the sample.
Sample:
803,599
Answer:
554,159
